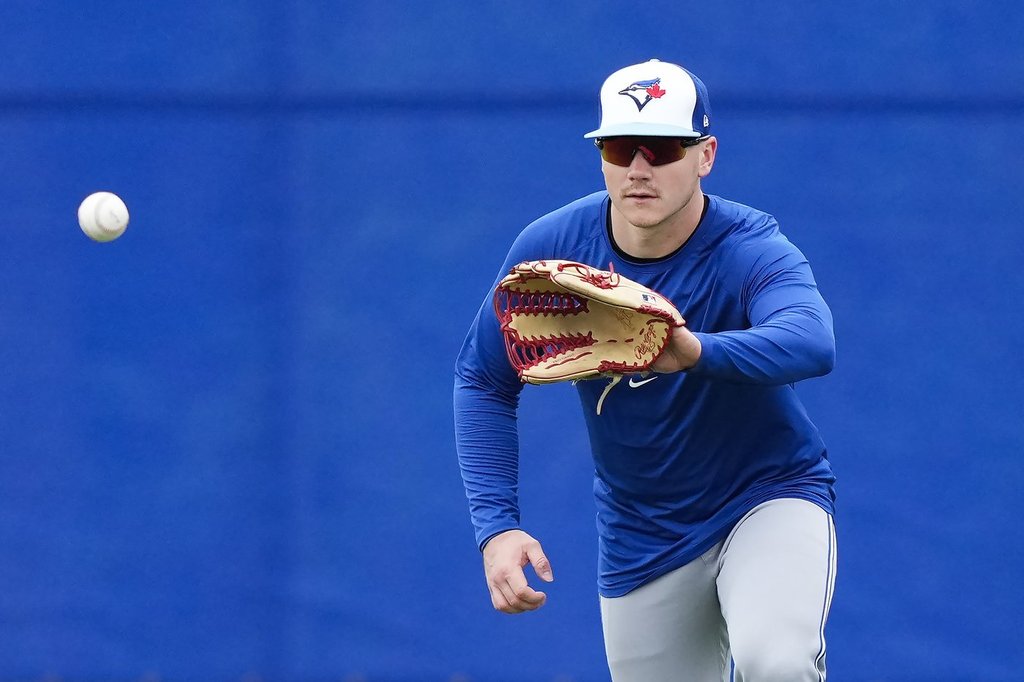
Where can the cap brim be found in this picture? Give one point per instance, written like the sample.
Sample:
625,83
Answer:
643,129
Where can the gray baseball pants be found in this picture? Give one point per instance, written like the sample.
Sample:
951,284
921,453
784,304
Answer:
760,597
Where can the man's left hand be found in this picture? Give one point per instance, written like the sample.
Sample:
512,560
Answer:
682,353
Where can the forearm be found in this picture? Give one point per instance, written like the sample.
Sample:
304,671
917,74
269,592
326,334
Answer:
793,345
487,441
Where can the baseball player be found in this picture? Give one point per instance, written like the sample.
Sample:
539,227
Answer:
713,488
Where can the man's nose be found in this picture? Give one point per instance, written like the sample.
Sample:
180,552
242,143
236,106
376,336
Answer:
639,166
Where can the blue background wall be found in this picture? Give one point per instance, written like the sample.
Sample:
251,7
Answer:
226,446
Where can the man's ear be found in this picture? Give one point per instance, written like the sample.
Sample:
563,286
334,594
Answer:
707,156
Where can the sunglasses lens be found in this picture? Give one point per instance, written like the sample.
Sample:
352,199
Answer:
618,150
657,151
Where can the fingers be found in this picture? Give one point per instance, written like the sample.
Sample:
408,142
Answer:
514,595
505,556
541,565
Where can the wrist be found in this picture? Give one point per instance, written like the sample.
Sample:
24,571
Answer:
692,352
494,535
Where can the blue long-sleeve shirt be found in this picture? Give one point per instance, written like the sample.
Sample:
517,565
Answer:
680,458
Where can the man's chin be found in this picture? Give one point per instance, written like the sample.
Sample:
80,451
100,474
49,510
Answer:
644,219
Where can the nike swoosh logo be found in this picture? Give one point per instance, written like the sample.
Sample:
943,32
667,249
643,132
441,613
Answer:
633,383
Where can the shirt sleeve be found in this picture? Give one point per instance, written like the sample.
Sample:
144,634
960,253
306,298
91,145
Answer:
790,337
486,402
486,434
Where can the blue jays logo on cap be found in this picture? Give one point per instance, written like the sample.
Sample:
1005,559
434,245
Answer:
682,109
648,90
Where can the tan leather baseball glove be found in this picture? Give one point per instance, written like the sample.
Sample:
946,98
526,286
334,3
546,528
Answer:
564,321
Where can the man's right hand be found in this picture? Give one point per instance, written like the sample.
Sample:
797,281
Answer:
505,555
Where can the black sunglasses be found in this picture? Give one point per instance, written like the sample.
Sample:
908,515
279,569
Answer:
657,150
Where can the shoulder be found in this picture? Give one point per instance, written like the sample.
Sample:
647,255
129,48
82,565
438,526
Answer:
749,235
742,223
560,231
573,215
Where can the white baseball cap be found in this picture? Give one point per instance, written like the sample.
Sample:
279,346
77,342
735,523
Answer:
656,99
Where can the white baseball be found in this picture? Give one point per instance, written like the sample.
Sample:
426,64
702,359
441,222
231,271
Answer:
103,216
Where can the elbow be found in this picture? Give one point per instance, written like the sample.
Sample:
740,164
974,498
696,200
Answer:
824,355
820,347
827,361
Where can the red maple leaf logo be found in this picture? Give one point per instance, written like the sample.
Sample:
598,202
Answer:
655,91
